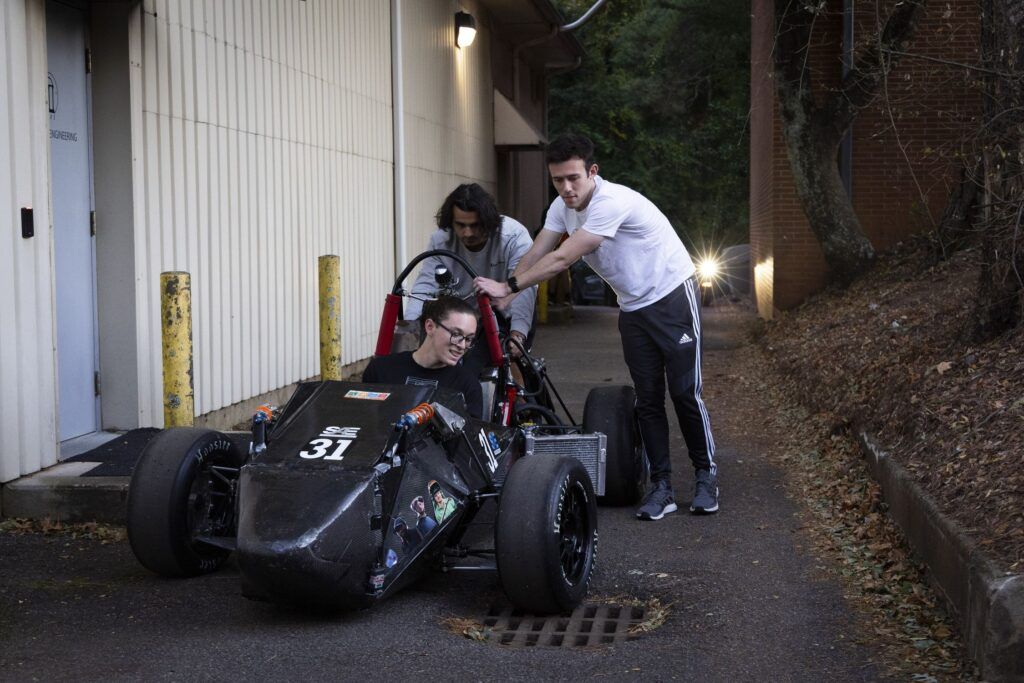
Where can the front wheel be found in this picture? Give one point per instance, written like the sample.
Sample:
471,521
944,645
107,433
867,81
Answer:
612,411
546,534
182,490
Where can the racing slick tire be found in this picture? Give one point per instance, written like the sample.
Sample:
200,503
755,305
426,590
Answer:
612,411
546,534
176,492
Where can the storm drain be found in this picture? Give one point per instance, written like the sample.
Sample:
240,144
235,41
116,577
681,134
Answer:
587,626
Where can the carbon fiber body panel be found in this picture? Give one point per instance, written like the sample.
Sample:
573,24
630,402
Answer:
342,508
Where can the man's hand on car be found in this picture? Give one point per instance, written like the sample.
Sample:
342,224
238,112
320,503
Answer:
514,349
501,294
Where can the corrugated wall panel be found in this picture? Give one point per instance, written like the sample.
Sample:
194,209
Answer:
27,335
448,113
263,141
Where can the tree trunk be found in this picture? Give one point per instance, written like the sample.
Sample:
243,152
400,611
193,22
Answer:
812,158
1000,305
813,126
960,218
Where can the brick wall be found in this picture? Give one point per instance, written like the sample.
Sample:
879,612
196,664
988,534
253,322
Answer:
761,155
904,145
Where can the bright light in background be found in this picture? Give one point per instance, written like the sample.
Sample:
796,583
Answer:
465,29
708,268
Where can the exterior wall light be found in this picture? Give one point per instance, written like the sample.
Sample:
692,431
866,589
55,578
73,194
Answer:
465,29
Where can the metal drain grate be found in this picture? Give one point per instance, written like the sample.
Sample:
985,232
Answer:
587,626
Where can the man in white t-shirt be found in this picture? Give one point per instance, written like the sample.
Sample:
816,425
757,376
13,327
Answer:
631,244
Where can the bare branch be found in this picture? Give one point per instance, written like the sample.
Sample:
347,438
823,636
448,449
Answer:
860,86
962,65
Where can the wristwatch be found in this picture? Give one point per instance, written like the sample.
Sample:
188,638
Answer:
513,284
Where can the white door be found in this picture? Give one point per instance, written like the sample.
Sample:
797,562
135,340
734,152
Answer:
70,161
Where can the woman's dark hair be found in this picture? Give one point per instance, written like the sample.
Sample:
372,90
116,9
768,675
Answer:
440,308
470,197
566,147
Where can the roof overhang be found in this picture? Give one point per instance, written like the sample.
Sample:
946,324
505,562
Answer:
522,21
511,129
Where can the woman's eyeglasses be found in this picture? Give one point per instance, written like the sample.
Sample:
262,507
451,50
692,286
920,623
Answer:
458,337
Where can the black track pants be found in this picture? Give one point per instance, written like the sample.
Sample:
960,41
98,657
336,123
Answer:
664,340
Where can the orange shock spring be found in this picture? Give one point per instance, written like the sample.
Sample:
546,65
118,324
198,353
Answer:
417,416
422,412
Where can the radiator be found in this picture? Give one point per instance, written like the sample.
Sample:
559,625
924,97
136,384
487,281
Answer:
589,449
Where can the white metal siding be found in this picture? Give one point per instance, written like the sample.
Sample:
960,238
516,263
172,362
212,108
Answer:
261,136
449,120
262,140
27,337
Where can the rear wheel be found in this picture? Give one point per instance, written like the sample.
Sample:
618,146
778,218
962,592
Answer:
534,414
183,489
612,411
546,534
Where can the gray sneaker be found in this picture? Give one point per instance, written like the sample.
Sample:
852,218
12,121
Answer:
705,494
659,502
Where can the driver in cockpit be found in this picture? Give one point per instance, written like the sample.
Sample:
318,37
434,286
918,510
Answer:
470,226
449,327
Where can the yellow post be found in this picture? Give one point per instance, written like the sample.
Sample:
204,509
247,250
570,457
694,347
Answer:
330,317
176,329
542,302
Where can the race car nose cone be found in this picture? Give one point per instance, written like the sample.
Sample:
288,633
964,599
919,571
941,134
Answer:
307,539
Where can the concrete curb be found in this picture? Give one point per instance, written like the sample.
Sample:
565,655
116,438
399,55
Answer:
60,494
987,603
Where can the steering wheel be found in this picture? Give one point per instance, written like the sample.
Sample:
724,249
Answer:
393,304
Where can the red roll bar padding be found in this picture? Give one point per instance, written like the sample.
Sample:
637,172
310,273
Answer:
386,334
490,329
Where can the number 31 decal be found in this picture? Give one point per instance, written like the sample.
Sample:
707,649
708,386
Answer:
331,443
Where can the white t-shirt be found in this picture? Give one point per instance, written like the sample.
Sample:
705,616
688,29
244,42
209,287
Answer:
641,257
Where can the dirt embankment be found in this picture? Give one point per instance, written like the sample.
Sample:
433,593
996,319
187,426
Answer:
894,355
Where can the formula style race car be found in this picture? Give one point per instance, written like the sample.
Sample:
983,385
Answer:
353,490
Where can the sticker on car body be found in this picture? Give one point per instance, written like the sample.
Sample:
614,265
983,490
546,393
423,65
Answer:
331,443
489,447
368,395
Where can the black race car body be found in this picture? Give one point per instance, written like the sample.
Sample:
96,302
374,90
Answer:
343,507
352,490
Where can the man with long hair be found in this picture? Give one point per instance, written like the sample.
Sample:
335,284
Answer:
469,224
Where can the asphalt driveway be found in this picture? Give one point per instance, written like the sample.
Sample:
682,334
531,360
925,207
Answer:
747,600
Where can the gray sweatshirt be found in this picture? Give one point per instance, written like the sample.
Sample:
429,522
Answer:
497,261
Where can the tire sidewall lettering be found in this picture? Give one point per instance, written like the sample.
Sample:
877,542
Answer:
203,453
206,450
563,491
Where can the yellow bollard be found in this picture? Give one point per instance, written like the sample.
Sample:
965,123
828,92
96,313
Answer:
330,317
542,302
176,333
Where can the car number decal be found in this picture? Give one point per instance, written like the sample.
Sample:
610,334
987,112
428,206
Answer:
488,446
368,395
331,444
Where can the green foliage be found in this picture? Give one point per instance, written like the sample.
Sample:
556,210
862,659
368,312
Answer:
664,94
